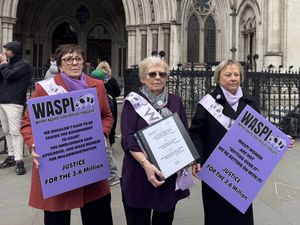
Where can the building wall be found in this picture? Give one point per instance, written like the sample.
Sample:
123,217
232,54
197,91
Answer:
291,34
159,25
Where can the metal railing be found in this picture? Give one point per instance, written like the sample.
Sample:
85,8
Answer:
277,95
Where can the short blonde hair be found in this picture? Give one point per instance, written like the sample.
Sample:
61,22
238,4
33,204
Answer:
151,61
225,63
105,67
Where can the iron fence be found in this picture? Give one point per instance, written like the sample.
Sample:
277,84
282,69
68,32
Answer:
277,94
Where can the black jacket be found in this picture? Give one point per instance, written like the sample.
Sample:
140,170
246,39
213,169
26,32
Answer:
206,132
15,78
113,91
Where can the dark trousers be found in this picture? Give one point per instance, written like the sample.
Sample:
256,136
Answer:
142,216
97,212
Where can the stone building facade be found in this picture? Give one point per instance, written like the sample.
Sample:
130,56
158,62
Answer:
260,32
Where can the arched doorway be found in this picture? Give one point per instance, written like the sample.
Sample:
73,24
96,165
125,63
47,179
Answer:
99,45
63,34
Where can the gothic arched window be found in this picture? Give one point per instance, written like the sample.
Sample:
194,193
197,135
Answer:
209,40
63,34
248,35
193,40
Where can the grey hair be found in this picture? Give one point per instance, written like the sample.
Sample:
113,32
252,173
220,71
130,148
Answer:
225,63
151,61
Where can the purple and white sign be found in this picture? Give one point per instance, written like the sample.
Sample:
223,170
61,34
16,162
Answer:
69,138
244,159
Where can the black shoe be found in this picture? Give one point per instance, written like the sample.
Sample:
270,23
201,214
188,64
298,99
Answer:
9,161
20,169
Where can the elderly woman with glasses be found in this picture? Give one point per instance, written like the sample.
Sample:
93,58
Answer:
93,199
147,198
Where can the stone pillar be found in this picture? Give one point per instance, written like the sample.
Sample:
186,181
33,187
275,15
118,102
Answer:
7,24
233,14
175,45
131,46
274,54
154,30
166,31
143,30
1,35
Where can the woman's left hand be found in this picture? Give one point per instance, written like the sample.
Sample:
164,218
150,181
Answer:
152,172
196,169
292,142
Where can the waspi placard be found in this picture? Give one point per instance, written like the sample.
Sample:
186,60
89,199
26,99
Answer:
244,159
68,136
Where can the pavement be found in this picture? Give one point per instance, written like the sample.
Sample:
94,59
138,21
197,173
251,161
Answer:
278,203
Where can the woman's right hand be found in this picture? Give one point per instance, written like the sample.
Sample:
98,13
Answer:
152,172
196,169
35,156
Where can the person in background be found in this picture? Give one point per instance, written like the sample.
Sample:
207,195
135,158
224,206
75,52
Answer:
147,198
53,69
15,78
207,131
47,64
103,72
93,199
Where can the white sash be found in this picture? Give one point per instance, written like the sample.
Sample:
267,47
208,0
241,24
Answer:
51,87
143,108
215,109
150,115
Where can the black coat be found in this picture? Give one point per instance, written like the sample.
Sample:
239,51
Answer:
113,90
206,132
15,79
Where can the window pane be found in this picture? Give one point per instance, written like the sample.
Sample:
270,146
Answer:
193,40
210,40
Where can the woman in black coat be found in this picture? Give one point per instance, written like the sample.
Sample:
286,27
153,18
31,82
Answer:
103,72
206,132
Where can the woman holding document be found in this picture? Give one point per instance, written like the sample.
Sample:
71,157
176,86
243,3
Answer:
144,191
93,199
207,131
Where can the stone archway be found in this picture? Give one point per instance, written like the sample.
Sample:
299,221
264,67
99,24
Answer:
8,12
152,26
100,40
63,34
38,19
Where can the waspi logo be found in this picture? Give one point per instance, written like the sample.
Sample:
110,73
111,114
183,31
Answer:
263,133
61,106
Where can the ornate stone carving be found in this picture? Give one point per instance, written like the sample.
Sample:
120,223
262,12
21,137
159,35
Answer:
140,11
152,10
204,7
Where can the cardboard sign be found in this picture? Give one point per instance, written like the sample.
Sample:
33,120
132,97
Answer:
244,158
69,138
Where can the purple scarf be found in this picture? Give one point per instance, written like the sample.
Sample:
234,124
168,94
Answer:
74,84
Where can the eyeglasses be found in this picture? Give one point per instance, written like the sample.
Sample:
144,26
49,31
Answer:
154,74
70,60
